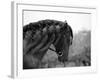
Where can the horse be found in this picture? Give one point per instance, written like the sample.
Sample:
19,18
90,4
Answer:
63,37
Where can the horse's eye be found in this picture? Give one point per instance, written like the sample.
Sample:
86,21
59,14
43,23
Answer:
60,53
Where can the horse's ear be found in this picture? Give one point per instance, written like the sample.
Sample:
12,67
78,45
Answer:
70,31
65,21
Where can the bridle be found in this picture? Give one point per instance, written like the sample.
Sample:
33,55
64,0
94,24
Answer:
58,53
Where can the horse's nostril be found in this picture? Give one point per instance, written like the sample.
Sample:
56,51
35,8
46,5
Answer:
62,59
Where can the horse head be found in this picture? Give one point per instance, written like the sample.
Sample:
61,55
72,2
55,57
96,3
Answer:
63,42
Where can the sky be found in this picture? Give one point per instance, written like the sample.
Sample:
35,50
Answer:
75,20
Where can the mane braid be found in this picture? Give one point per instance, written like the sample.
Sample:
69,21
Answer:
40,25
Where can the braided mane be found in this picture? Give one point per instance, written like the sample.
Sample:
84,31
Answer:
33,27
